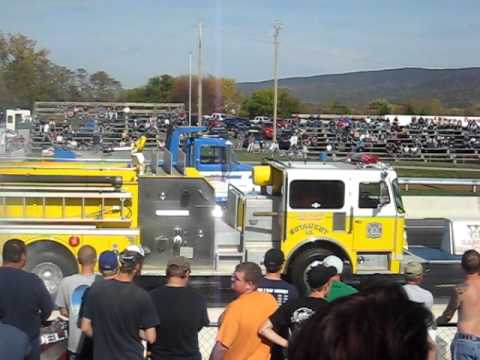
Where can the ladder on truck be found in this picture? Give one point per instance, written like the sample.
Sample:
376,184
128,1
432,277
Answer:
27,205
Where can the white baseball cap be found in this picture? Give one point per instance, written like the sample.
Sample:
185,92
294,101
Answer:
136,248
335,262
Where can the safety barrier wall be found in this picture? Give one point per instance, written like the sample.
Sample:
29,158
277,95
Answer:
420,207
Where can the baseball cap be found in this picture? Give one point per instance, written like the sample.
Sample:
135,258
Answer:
413,269
179,261
319,275
136,248
130,258
334,261
273,257
108,261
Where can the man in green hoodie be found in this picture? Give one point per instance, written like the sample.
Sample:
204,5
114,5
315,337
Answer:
338,288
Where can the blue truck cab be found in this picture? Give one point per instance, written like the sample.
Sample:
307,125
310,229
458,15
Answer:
213,156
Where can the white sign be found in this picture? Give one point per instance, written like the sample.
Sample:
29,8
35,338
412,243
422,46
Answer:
465,235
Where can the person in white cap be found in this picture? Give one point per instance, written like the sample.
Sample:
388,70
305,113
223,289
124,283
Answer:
338,288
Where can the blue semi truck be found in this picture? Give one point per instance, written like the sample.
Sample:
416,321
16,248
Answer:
212,156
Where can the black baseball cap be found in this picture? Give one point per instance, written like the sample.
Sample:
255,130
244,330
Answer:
274,257
319,275
128,259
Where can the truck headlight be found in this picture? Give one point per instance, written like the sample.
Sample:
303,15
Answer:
217,212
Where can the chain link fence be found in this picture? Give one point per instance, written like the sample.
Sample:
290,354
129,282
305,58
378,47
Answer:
443,337
206,339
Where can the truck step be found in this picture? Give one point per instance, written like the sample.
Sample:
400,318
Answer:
228,257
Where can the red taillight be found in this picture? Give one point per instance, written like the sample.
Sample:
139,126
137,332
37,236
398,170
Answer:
365,159
74,241
369,159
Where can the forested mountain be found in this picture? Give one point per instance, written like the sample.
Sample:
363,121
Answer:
455,88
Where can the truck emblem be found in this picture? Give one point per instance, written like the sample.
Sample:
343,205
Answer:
316,205
374,230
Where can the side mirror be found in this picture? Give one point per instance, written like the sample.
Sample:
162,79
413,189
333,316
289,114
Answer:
384,198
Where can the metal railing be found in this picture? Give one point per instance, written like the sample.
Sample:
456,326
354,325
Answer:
474,183
206,338
443,338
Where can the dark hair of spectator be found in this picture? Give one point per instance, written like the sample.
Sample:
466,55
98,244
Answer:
383,289
366,326
471,261
251,271
13,250
273,268
127,268
87,255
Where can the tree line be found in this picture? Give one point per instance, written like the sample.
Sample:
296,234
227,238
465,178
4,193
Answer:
28,75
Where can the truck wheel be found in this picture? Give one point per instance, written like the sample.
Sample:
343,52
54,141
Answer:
51,263
303,263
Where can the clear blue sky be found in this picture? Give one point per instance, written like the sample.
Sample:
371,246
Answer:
135,39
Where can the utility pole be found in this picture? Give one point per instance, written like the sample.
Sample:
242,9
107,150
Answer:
199,106
190,89
277,26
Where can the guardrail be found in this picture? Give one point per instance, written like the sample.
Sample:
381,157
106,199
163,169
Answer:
474,183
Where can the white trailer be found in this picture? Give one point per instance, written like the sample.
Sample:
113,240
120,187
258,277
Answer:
16,116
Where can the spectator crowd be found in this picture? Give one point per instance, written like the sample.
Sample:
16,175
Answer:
83,128
111,317
421,138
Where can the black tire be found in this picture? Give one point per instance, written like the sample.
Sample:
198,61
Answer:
302,262
45,256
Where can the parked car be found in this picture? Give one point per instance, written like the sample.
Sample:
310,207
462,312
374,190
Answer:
267,130
260,119
216,119
237,124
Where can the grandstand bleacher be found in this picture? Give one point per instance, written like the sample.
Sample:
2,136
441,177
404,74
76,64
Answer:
104,126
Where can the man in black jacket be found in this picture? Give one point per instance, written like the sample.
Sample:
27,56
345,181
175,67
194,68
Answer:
24,300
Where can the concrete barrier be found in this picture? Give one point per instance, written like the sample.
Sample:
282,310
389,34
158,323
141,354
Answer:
420,207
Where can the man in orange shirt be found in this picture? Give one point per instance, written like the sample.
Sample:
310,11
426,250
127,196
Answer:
238,337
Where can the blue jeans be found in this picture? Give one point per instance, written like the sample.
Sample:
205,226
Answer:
465,349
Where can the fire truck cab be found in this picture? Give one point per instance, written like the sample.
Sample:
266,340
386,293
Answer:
350,209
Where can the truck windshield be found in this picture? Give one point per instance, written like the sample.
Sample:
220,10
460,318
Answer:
212,155
317,194
397,197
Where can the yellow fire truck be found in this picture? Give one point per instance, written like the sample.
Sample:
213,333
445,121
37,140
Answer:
309,210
